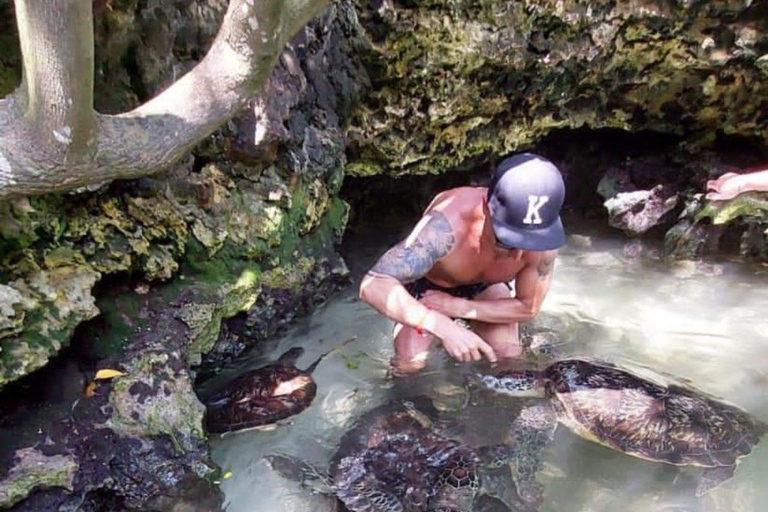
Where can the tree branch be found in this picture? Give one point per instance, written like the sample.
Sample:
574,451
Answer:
57,49
157,133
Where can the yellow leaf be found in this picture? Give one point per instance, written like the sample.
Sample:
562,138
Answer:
227,475
90,389
108,374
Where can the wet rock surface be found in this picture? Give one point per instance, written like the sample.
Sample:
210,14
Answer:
129,441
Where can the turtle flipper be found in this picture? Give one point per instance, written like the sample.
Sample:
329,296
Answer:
495,456
452,499
300,471
311,368
712,478
488,503
367,496
529,434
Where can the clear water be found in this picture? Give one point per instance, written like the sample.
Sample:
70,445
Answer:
705,327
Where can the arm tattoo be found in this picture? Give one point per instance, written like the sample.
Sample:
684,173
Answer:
432,239
546,265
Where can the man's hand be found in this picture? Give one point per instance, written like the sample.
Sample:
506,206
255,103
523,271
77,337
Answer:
725,187
462,344
445,303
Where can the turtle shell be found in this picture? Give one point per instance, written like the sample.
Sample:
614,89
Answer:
391,449
262,396
666,423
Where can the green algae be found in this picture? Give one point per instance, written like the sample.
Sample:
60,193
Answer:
170,233
34,470
751,204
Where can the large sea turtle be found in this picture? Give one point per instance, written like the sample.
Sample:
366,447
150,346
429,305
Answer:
263,395
600,402
393,460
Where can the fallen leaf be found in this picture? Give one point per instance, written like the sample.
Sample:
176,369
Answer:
108,373
227,475
90,389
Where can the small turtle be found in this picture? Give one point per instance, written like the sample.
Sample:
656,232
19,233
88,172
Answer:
264,395
393,460
617,409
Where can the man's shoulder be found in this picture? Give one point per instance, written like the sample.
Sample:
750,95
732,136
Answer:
460,200
458,205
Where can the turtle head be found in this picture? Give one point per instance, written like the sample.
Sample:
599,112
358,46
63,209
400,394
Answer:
512,383
290,356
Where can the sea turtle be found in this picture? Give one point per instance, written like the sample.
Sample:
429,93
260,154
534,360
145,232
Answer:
263,395
393,460
608,405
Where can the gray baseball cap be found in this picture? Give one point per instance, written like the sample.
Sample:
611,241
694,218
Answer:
525,198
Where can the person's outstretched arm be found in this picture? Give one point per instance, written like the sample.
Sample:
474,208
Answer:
531,287
432,239
730,185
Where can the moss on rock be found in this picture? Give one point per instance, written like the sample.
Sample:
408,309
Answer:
217,227
457,82
751,204
35,470
204,317
156,398
49,304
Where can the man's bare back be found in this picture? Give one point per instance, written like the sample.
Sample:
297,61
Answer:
453,265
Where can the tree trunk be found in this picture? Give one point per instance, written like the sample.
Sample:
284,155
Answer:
51,140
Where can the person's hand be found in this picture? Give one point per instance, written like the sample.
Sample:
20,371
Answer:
725,187
444,303
466,346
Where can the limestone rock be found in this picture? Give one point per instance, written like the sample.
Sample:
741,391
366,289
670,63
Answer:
11,312
156,398
637,212
40,316
35,470
458,82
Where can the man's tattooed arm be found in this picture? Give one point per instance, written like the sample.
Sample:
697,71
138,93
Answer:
546,265
432,238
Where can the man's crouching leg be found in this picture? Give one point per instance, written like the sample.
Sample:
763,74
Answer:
411,349
503,338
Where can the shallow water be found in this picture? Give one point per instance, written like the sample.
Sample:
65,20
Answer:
705,326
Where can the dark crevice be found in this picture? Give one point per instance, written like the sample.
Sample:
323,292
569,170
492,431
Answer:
131,64
581,154
46,395
33,404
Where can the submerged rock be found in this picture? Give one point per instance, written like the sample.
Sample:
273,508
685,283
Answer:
599,260
580,241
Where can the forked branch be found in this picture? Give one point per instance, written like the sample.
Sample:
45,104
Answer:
52,141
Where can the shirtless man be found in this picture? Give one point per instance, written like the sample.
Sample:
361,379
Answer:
458,260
